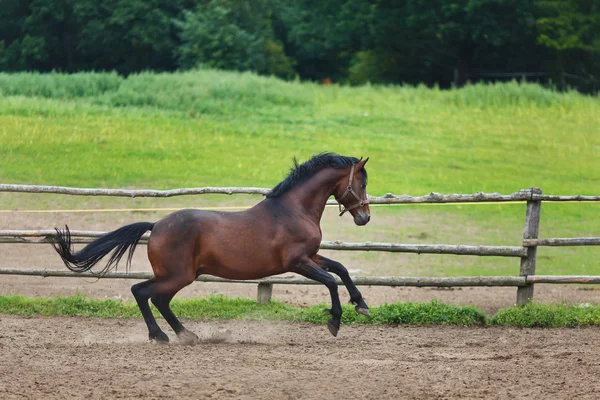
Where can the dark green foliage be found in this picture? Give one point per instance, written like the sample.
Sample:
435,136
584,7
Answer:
128,36
569,24
571,30
233,35
71,35
276,62
440,42
322,36
425,41
209,37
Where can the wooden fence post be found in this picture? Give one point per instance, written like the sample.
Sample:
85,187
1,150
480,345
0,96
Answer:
531,231
265,291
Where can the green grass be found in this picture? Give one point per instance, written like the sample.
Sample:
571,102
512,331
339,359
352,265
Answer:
171,130
532,315
535,315
211,128
222,308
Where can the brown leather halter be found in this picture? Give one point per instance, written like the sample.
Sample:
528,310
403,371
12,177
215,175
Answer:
351,191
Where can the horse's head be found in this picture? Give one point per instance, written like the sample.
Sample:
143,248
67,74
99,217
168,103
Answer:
351,193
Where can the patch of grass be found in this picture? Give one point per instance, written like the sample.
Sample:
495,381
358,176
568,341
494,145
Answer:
532,315
434,313
222,308
74,306
213,307
535,315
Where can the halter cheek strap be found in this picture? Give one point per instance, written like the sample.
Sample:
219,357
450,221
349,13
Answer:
349,190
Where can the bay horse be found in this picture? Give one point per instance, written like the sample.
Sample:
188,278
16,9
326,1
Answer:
280,234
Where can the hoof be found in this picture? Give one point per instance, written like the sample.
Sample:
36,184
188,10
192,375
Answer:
187,337
159,337
333,326
362,311
361,307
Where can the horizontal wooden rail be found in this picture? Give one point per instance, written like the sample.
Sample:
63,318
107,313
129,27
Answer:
497,251
46,235
560,279
293,280
130,192
389,198
52,233
549,197
434,197
582,241
359,280
265,286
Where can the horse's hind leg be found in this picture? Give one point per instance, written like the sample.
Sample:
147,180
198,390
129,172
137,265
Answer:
337,268
162,304
161,291
142,292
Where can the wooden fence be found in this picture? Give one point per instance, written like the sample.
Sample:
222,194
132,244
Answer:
526,252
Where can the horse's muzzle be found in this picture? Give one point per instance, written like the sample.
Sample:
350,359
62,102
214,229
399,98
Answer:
361,218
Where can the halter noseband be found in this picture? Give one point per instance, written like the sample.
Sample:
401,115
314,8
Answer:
351,191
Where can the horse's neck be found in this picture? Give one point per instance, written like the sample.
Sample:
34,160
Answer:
312,195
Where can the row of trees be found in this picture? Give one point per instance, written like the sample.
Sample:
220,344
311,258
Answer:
428,41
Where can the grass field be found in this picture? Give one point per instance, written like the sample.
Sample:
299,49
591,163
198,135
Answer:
210,128
220,308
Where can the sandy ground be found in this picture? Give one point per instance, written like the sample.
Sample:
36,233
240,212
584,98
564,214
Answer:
58,358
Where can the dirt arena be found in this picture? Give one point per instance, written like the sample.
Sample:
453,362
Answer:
58,357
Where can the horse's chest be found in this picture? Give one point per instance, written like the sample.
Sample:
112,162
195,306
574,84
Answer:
310,235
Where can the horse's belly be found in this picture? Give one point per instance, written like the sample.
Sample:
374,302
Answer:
242,261
241,274
250,268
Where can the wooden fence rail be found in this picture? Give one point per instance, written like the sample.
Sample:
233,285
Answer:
293,280
582,241
527,252
391,281
389,198
46,235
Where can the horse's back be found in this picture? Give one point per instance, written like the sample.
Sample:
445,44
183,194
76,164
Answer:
236,245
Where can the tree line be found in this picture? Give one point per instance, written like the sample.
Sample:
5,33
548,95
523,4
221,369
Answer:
441,42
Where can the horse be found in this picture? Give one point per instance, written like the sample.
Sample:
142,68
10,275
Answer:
278,235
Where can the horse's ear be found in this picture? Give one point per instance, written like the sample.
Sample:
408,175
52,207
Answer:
361,164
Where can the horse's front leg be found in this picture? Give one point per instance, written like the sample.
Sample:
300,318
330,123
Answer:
337,268
311,270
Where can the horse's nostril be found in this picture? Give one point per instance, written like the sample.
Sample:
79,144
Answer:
368,218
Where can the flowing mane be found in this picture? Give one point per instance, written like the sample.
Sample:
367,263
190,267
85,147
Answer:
302,172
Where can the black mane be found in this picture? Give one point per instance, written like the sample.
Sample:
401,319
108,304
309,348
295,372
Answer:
300,173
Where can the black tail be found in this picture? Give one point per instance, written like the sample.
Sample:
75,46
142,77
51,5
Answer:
120,240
